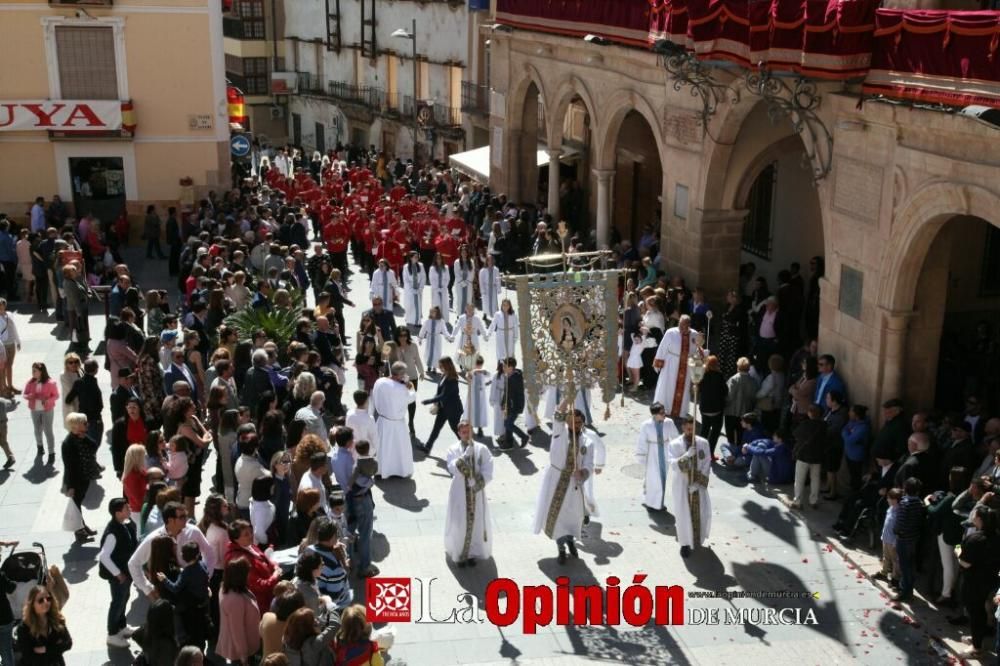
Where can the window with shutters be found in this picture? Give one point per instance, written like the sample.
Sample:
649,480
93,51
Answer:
86,59
760,213
252,14
255,76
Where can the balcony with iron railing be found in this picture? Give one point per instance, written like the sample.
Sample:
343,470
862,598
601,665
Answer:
438,116
475,98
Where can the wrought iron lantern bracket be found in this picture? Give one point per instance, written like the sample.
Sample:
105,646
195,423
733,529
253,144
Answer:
686,71
798,103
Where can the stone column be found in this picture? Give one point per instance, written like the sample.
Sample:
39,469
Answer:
895,327
604,177
553,205
717,244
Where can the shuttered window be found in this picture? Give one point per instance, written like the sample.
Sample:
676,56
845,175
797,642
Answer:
86,56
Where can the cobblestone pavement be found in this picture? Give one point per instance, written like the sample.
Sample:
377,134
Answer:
756,545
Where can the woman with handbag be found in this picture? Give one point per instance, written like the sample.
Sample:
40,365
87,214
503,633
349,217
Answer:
446,403
43,638
78,451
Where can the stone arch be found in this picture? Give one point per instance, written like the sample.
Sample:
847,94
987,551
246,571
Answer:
724,127
565,92
519,93
622,102
736,195
915,228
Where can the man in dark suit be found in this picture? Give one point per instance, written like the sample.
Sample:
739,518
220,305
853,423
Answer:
120,396
513,404
258,380
326,341
89,399
919,464
179,372
959,452
383,318
198,312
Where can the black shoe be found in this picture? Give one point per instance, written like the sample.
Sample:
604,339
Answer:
461,564
685,551
471,562
524,442
505,444
51,460
9,463
586,520
89,531
572,550
39,452
562,556
479,432
878,575
958,620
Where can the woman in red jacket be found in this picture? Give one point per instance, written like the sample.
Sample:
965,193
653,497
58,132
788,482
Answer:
134,479
264,574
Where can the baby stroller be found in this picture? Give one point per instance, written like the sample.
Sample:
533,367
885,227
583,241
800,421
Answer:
26,568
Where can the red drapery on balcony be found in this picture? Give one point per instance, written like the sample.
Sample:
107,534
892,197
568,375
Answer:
623,21
828,39
936,57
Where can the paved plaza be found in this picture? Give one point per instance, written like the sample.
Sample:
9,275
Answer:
756,545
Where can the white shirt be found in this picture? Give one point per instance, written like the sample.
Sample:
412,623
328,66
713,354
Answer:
8,330
310,480
141,555
261,517
363,425
247,469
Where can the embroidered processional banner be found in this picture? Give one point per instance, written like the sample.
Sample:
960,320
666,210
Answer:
569,320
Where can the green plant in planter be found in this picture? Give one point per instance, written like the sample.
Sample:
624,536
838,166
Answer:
278,323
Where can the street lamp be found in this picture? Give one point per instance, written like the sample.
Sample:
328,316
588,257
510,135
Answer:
401,33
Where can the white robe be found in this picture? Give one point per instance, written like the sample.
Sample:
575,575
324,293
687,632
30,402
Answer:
413,293
553,396
506,329
489,289
669,352
363,425
496,395
647,454
600,457
568,511
680,490
384,285
456,525
462,290
433,334
438,279
394,452
477,406
459,336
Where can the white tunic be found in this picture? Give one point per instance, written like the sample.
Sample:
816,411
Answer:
489,288
561,514
496,395
669,352
477,408
394,453
363,425
462,290
463,540
600,457
475,324
553,396
438,280
414,281
384,285
505,326
432,335
648,452
681,490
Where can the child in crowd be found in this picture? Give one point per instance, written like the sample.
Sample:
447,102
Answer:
190,591
890,562
177,460
478,408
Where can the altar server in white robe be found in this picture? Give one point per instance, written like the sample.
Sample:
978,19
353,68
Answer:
414,281
673,386
489,287
432,336
384,284
477,408
651,446
496,400
594,442
506,329
390,396
468,532
690,462
462,291
468,328
439,277
561,506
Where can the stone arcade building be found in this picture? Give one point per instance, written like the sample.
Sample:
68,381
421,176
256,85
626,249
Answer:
904,206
